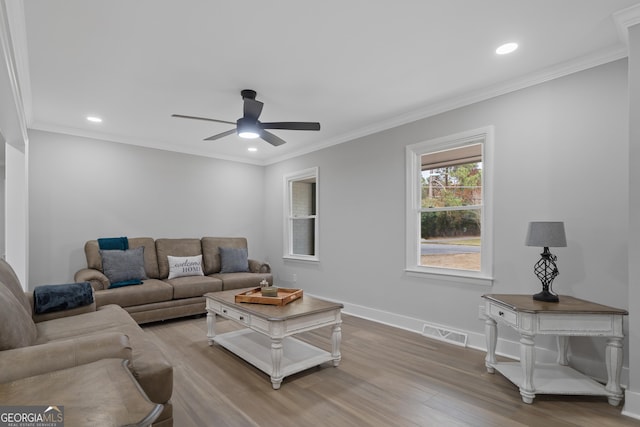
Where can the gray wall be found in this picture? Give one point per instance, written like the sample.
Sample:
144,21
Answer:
560,154
82,189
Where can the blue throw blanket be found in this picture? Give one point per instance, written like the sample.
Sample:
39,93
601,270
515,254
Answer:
48,298
111,243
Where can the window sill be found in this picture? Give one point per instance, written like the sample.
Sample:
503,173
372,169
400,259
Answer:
471,278
306,258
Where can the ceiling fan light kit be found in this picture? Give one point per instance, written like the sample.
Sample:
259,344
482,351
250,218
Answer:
248,126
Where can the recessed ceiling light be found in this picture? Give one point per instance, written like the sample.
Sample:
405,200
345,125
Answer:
252,149
94,119
506,48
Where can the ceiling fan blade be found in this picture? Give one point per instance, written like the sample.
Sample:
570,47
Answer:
181,116
252,108
291,125
271,138
220,135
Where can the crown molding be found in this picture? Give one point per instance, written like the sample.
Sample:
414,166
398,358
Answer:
448,104
626,18
17,133
473,97
139,142
18,29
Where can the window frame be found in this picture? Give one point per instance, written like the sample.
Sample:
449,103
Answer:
414,153
289,179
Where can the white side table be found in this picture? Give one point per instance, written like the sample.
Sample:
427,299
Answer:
569,317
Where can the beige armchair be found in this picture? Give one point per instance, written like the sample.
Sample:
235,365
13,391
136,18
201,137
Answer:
86,359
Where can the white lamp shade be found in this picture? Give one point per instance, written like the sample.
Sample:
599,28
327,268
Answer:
546,234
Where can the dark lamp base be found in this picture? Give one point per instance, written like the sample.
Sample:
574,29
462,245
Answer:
546,296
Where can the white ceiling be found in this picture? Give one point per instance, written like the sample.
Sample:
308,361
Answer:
356,66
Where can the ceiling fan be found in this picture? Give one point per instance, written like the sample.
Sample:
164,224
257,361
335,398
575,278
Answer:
248,126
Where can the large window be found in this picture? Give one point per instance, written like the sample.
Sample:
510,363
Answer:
448,206
301,212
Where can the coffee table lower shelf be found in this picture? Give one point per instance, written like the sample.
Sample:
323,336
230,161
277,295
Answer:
257,349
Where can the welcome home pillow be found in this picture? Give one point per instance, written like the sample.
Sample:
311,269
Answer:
180,266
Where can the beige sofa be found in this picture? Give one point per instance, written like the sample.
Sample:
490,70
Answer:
160,298
37,349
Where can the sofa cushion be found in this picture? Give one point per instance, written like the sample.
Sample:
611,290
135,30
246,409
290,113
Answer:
122,266
175,247
242,280
233,260
184,266
94,260
17,328
194,286
211,251
109,317
10,279
151,290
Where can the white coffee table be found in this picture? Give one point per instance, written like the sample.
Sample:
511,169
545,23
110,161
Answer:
267,341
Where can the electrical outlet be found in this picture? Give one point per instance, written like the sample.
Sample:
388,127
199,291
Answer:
294,278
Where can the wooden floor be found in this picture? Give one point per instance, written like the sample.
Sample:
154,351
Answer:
387,377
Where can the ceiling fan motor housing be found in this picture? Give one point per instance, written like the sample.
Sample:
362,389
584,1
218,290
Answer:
248,93
248,128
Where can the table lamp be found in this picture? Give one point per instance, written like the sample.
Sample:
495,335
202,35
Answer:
546,234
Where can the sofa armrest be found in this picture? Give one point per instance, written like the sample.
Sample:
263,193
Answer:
259,266
97,279
58,314
56,355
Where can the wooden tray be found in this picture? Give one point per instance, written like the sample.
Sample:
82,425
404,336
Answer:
285,296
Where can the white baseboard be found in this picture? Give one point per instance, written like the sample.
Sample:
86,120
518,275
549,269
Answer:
511,349
631,406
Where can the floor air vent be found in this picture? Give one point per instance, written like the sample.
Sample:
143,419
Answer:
442,334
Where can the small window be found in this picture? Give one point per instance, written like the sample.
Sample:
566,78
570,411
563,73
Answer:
448,206
301,212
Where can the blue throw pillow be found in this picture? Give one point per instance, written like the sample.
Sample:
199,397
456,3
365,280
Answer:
234,260
123,266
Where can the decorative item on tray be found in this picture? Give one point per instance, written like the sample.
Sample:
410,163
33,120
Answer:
282,296
268,291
